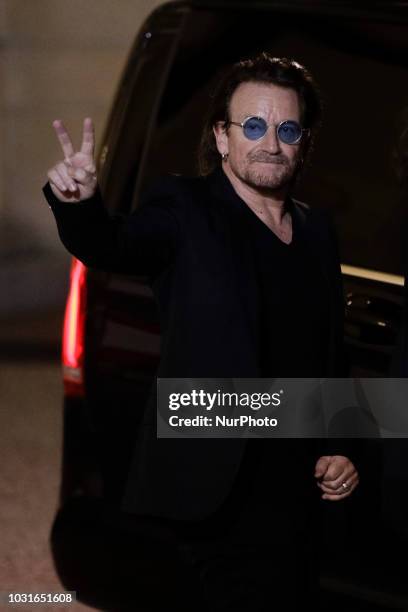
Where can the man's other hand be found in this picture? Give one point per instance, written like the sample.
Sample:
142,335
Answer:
337,477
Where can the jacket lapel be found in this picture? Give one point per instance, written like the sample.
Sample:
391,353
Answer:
323,248
312,237
229,220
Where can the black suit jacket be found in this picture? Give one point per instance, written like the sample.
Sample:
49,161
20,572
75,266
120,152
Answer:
189,237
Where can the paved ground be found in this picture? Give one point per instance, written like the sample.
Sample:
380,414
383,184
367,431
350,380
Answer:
30,454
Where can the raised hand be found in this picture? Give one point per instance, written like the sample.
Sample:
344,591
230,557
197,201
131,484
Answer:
74,179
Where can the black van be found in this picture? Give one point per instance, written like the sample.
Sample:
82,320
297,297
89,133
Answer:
358,52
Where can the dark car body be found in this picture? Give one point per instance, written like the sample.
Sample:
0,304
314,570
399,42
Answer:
358,53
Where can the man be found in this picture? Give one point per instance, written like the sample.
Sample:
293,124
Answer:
248,285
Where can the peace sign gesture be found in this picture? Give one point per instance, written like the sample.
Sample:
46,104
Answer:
74,178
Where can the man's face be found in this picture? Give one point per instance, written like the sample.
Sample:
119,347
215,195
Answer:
268,162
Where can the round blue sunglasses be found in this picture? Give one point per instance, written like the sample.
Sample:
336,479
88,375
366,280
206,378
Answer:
255,128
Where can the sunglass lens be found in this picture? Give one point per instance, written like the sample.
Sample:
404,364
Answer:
289,132
255,128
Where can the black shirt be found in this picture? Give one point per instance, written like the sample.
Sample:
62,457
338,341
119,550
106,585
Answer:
293,332
294,304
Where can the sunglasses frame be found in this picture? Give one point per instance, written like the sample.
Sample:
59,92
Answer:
242,125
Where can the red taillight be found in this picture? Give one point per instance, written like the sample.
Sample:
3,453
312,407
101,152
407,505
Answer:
73,341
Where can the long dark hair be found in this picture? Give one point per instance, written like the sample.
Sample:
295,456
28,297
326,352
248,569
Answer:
262,68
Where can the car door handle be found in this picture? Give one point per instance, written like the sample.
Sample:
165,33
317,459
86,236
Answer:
371,320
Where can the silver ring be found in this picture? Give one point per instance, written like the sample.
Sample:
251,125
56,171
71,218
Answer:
344,485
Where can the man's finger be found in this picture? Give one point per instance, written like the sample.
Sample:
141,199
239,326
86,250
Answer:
321,466
88,137
57,180
63,171
328,487
91,168
81,176
336,469
338,497
63,137
345,476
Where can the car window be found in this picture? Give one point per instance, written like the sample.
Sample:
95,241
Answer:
361,68
134,108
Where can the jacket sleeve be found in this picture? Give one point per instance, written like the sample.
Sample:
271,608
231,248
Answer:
143,242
